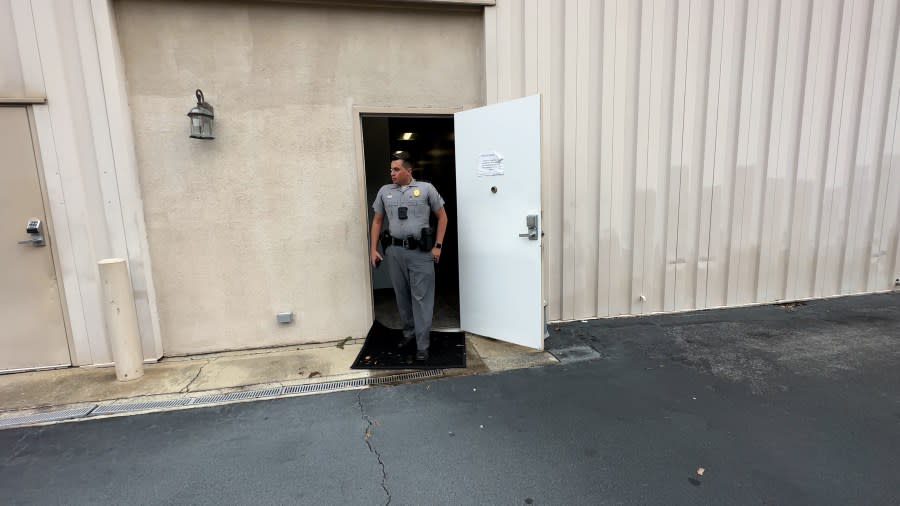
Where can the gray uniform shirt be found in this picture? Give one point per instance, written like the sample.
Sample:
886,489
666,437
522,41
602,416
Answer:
420,199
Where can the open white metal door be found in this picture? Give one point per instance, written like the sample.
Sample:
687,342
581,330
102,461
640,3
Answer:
498,185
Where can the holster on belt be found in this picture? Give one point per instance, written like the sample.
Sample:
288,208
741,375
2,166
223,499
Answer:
426,239
385,239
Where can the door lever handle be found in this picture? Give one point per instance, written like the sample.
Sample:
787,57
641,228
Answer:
531,224
37,240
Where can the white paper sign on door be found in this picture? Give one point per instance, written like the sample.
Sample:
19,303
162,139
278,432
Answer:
490,164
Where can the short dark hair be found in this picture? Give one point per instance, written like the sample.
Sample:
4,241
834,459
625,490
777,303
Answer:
404,157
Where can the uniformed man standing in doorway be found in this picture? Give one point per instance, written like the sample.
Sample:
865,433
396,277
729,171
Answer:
413,247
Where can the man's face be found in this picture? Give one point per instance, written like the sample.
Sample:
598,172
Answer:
400,174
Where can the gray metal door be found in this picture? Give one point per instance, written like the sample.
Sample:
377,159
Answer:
32,328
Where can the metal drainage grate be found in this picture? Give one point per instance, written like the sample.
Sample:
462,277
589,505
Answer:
237,396
52,416
361,382
431,373
112,409
325,387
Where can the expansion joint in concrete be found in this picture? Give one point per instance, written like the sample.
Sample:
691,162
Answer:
187,387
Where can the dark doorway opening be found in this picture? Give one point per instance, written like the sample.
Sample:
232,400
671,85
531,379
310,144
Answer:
430,142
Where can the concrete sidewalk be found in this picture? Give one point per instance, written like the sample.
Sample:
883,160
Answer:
51,391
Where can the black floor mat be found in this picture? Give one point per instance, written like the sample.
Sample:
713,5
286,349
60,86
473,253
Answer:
447,351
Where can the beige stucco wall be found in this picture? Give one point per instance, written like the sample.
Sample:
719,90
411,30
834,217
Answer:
267,217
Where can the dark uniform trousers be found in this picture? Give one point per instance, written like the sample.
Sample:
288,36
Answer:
412,275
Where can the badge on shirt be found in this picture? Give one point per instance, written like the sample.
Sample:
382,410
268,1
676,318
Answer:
416,192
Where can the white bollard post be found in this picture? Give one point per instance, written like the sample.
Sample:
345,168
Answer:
121,319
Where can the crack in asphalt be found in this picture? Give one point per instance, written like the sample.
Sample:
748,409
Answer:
367,435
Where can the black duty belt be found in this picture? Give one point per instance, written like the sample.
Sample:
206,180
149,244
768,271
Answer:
409,243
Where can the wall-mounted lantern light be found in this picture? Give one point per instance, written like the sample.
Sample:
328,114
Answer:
201,119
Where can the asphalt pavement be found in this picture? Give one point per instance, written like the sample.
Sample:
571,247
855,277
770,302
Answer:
794,404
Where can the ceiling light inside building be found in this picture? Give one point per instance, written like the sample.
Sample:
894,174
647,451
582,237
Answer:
408,136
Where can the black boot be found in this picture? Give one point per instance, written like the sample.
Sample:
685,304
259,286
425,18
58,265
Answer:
405,342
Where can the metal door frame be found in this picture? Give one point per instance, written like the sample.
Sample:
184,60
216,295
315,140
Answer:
359,112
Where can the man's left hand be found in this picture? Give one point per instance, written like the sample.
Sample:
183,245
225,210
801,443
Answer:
436,254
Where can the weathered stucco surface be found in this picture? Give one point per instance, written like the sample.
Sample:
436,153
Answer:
266,217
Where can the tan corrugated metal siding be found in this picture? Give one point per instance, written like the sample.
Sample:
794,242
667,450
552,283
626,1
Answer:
706,153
